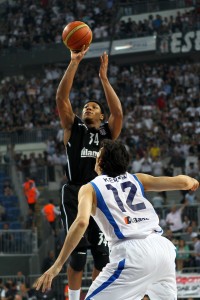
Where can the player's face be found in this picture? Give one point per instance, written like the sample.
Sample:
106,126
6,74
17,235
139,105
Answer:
91,113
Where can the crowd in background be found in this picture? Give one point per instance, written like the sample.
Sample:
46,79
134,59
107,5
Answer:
160,102
25,24
161,125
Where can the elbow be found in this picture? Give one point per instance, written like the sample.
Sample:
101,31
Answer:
58,98
82,223
119,114
187,182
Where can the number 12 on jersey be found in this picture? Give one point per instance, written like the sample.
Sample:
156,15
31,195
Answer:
130,196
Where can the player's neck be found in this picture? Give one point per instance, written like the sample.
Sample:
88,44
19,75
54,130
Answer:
93,125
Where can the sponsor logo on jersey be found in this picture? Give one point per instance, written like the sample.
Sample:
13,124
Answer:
102,131
129,220
88,153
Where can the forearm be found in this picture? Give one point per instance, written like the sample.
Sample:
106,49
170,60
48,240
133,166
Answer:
66,82
113,101
72,239
164,183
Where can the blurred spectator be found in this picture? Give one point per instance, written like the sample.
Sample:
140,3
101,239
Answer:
32,196
187,236
191,197
5,293
170,236
33,165
157,166
196,244
25,164
6,185
157,200
186,222
2,213
8,191
1,286
31,192
13,291
192,170
177,162
50,211
136,164
174,218
48,261
154,151
27,184
50,145
183,254
146,164
30,220
6,239
162,221
23,291
66,292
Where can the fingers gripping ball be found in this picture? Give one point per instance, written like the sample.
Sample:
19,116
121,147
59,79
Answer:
77,34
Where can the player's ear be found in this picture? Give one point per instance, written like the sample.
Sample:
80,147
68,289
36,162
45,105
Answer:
102,117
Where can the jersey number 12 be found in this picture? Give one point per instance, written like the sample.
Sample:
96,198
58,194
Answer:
130,197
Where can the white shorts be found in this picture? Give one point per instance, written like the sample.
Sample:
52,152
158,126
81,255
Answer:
138,267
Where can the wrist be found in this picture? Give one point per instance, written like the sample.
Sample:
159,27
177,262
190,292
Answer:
105,79
74,63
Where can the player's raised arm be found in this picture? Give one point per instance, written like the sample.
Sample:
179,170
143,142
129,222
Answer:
165,183
63,92
116,114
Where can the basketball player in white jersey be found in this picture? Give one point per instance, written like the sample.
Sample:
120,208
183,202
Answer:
142,261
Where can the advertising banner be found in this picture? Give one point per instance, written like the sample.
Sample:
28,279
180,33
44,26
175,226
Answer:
188,285
179,42
125,46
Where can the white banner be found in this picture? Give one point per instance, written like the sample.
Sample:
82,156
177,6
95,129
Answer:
188,285
134,45
97,49
123,46
185,42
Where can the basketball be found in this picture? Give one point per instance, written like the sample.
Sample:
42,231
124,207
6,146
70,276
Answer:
77,34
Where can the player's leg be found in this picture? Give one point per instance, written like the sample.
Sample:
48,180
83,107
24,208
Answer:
99,248
146,263
119,279
164,284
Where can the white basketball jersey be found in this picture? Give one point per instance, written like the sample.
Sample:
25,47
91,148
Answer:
122,211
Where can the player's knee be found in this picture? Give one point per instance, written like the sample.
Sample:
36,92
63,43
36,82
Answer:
78,261
100,260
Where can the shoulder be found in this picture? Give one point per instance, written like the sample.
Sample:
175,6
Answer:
105,130
78,126
86,188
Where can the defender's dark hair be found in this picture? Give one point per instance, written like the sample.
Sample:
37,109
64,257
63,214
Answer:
114,158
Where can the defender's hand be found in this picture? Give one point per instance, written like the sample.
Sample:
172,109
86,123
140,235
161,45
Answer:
44,282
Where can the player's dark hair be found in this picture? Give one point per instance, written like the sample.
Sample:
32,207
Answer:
97,102
114,158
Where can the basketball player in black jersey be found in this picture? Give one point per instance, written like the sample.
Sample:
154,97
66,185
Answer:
82,139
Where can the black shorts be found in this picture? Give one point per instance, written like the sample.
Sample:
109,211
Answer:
93,237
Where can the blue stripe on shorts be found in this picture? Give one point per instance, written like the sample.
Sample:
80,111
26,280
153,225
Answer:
110,280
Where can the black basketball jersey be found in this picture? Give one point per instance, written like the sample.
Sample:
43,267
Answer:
82,149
